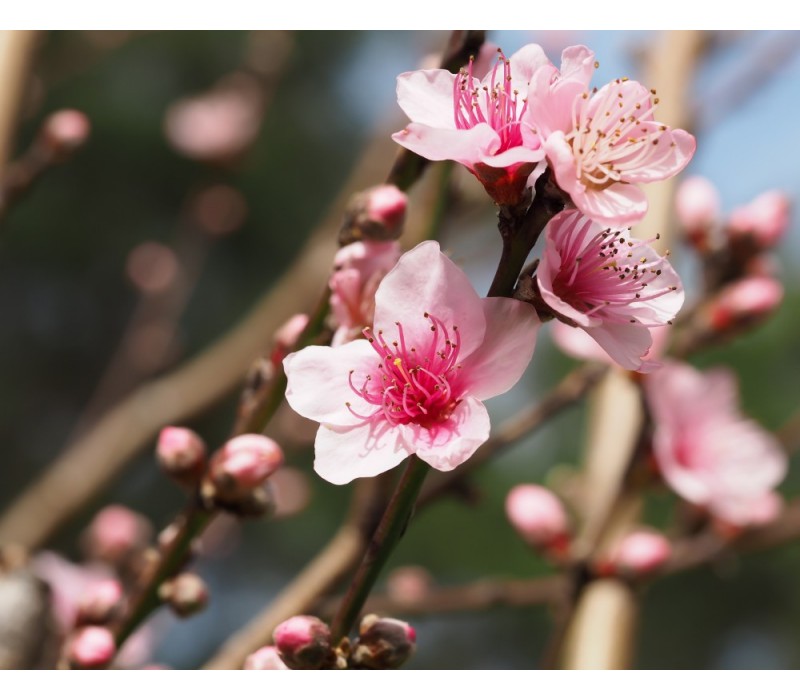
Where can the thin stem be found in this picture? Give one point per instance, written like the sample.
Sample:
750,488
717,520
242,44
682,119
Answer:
170,560
387,535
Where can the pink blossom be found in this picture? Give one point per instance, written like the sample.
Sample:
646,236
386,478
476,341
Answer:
538,515
600,144
698,208
766,218
478,123
358,270
91,647
416,385
265,659
611,285
641,552
386,205
746,300
707,452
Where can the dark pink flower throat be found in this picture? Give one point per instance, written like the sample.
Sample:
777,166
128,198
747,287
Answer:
413,384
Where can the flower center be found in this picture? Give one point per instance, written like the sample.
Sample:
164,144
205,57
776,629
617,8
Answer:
410,384
600,275
612,135
495,104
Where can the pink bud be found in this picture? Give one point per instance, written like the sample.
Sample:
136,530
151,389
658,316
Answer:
386,205
91,647
181,453
287,335
538,516
766,218
65,131
746,301
641,552
116,533
265,659
186,594
304,642
99,602
408,584
383,643
698,208
245,462
766,509
375,214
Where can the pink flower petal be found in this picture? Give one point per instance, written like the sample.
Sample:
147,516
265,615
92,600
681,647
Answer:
618,205
525,63
426,281
665,159
465,146
346,453
426,96
454,442
625,343
318,385
511,328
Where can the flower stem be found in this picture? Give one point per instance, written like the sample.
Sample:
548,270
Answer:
386,536
520,228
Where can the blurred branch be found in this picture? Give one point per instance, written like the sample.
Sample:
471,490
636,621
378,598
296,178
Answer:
16,51
599,633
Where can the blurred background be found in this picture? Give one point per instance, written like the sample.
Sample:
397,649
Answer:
212,157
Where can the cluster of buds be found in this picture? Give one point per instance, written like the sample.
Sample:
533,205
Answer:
736,252
540,519
304,642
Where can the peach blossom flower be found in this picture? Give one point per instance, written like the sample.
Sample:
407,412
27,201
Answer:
478,123
614,287
708,453
601,144
417,383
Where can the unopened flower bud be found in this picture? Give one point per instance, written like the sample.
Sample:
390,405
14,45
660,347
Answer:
375,214
186,594
698,208
539,517
286,337
91,648
408,584
765,219
243,463
304,642
745,302
64,132
639,553
182,454
265,659
99,602
383,643
115,534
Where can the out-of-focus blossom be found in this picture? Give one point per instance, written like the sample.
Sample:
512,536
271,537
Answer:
265,659
219,124
707,452
601,144
408,584
478,123
745,302
91,647
186,594
698,207
286,337
383,643
538,516
766,219
64,132
416,385
116,533
99,601
152,267
640,553
614,287
358,270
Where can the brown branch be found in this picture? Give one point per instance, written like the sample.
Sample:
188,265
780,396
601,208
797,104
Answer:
16,51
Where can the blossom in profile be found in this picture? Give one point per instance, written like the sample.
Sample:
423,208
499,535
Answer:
601,144
707,452
358,270
476,122
613,286
766,218
416,384
538,516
